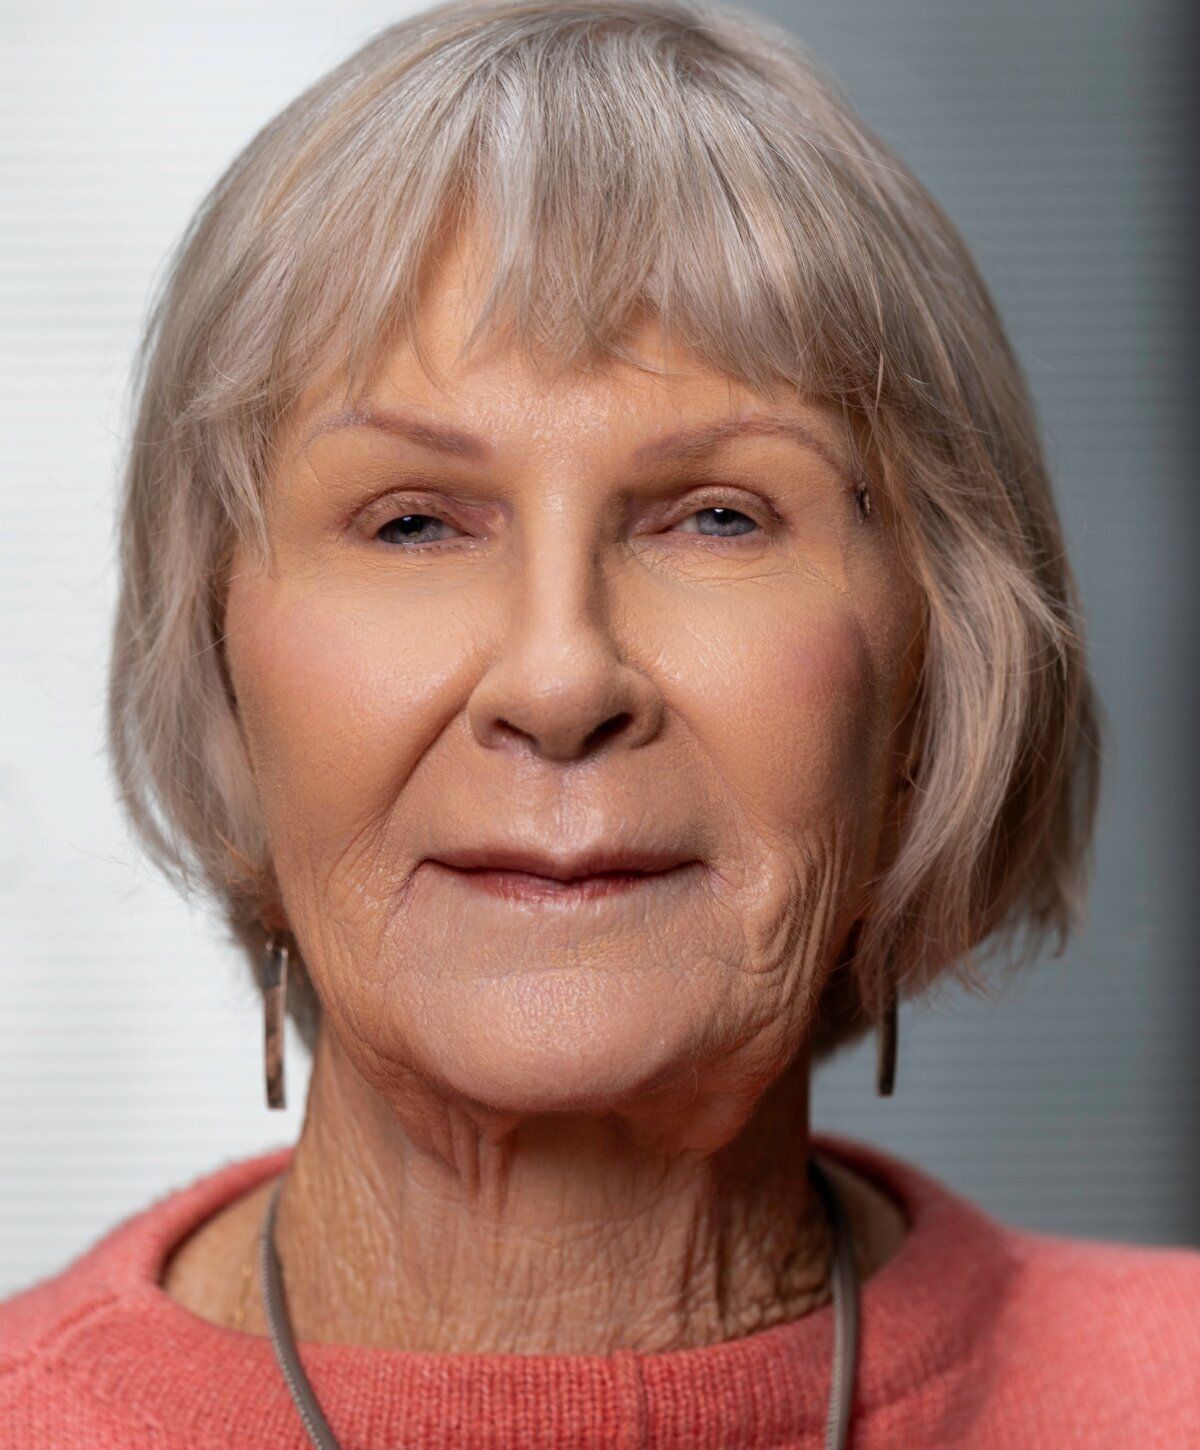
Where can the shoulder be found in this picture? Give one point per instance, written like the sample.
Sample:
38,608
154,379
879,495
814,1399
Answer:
119,1263
1028,1338
35,1317
1062,1274
70,1342
186,1229
53,1324
1105,1333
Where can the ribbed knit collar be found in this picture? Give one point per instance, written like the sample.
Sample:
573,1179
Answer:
919,1312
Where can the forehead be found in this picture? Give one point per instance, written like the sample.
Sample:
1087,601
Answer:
500,388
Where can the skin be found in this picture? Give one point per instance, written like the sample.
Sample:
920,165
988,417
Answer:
562,1126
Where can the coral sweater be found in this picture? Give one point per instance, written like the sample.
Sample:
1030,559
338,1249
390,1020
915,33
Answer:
972,1334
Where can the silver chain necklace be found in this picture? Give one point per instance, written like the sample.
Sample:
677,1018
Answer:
843,1273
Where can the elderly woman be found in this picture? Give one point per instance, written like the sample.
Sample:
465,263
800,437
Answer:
594,615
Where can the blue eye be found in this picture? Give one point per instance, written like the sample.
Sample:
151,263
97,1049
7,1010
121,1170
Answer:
420,529
408,528
723,517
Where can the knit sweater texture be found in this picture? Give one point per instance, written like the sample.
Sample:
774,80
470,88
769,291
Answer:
973,1333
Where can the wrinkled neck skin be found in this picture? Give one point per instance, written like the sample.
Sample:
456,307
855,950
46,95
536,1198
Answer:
563,1234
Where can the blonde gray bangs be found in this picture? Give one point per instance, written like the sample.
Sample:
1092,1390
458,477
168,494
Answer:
623,159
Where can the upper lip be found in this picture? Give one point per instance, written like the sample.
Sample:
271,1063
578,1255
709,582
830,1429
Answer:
595,861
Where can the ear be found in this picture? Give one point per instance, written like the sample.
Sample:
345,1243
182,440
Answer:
271,911
274,918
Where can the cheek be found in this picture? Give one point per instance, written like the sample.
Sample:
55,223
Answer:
334,700
807,752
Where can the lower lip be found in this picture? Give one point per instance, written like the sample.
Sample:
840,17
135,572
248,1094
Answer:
524,886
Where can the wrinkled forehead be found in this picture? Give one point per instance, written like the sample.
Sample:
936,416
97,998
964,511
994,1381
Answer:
466,337
664,403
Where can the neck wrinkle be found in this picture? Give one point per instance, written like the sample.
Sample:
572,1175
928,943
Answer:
389,1246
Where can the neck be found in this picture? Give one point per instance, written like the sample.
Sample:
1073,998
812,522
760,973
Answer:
560,1234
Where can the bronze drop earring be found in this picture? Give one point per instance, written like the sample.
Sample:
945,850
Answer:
886,1028
274,1016
885,1031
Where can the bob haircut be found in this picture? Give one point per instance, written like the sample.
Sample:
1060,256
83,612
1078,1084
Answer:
671,158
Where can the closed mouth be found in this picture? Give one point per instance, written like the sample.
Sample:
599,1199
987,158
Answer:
520,884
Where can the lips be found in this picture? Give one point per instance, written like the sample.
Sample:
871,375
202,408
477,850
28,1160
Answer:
598,861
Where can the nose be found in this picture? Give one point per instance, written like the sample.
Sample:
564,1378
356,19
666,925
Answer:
559,686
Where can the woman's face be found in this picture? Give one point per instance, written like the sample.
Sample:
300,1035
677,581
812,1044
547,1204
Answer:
508,615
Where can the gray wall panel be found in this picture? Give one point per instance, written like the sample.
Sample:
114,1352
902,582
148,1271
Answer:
1059,137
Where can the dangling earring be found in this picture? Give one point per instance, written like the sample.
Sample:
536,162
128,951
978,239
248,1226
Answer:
887,1026
274,1015
885,1031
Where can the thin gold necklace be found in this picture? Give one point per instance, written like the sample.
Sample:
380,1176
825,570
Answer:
239,1316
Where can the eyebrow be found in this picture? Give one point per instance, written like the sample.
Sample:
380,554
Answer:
437,437
684,445
691,443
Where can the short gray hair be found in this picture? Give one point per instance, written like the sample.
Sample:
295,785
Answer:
675,158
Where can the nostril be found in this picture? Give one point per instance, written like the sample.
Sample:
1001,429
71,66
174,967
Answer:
609,727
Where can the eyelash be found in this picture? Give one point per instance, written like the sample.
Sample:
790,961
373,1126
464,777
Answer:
397,507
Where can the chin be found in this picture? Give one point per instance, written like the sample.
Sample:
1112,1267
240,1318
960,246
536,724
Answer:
554,1045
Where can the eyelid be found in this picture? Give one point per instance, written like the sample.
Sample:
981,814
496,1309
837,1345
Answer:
395,502
751,503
